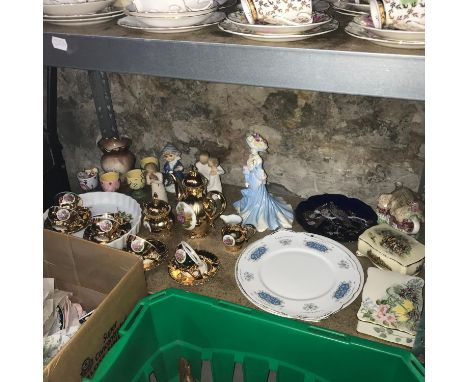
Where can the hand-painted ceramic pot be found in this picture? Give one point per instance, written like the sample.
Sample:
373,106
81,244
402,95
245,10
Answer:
117,156
135,179
88,179
110,181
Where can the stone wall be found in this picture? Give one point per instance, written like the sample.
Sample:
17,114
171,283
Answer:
319,142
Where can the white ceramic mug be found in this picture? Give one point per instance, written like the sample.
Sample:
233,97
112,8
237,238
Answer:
280,12
172,6
407,15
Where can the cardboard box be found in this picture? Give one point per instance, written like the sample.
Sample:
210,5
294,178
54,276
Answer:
101,278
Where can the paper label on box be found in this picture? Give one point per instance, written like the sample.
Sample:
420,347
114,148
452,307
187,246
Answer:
59,43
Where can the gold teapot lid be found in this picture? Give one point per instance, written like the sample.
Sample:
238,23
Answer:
157,208
194,178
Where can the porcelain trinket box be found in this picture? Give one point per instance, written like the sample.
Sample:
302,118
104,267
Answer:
391,249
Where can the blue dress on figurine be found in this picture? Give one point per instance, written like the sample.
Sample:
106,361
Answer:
257,206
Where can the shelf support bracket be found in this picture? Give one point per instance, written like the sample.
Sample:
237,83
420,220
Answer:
103,102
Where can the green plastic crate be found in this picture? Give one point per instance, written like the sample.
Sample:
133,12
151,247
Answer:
172,324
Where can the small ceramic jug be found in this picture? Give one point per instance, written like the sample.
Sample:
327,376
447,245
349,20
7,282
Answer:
234,234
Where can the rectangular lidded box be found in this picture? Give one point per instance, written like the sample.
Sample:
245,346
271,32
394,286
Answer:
391,249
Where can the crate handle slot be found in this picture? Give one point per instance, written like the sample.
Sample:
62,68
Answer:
131,319
417,368
328,333
230,306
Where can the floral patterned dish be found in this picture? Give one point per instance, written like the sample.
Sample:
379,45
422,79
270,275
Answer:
299,275
366,23
239,18
229,27
357,31
391,301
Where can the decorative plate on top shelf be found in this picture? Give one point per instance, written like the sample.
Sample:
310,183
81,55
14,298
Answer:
335,216
299,275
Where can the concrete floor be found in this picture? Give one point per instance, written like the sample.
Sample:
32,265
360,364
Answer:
223,284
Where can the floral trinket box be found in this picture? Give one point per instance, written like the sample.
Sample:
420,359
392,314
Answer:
391,249
391,306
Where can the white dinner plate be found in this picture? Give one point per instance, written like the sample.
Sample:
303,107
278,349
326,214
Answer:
357,31
229,27
299,275
365,22
133,23
84,21
104,12
75,9
239,18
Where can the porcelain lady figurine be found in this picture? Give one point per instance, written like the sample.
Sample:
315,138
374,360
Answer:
156,180
172,164
257,206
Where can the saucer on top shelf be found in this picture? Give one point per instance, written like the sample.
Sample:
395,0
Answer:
98,18
239,18
229,27
133,23
335,216
299,275
86,8
365,22
359,32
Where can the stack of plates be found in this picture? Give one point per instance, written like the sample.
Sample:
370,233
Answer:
362,27
153,20
80,12
237,24
299,275
350,8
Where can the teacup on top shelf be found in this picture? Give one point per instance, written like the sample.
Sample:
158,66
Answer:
88,179
110,181
399,14
280,12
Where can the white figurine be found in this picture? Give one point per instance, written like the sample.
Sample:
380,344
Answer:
155,179
210,171
214,182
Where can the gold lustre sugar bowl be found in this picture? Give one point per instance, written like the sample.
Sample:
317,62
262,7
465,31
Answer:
157,215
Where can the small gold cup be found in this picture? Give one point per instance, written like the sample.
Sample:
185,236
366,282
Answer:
235,235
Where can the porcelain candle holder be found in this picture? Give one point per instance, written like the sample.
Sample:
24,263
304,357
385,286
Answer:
110,181
399,14
136,179
279,12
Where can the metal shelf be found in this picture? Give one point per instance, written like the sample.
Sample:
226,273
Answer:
333,63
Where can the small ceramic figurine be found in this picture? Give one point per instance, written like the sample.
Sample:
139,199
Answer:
257,206
402,209
172,165
155,179
209,167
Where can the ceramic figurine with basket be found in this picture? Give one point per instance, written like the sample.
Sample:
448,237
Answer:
257,206
153,177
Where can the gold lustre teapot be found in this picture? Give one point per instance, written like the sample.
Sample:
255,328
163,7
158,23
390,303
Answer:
197,209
